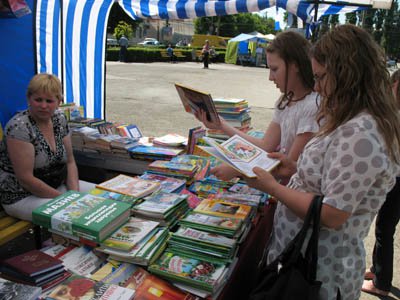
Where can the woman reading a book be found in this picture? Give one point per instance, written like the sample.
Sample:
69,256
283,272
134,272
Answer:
294,121
36,158
352,161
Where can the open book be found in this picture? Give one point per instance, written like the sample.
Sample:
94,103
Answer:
194,100
240,154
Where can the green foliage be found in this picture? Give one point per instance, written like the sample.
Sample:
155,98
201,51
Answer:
233,25
117,14
351,18
123,28
138,54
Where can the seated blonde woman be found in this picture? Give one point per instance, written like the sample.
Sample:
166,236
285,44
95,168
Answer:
36,157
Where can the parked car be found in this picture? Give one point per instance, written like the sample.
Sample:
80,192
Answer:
112,42
149,42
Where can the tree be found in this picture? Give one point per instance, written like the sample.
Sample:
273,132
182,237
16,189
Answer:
351,18
233,25
391,31
368,19
123,28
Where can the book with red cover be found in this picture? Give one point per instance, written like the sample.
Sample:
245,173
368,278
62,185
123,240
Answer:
33,263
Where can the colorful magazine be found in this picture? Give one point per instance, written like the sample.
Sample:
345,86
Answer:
240,154
223,209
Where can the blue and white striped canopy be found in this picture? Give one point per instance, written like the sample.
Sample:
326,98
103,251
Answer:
71,34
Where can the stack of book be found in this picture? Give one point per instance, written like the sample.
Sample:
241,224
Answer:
236,112
165,208
203,164
154,152
130,234
82,215
229,227
202,277
168,184
202,245
183,171
131,186
32,268
222,208
145,251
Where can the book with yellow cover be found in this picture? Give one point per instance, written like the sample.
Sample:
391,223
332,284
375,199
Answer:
132,186
223,209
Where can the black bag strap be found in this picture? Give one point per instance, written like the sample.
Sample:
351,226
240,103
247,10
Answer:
299,239
311,254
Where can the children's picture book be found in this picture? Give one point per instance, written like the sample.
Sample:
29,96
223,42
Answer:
33,263
127,185
223,209
127,236
18,291
193,101
160,203
194,135
155,288
130,130
79,288
240,154
168,184
193,272
202,221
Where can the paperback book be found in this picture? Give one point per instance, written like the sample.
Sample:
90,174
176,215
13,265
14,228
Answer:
193,272
241,155
168,184
127,236
224,209
79,288
193,101
132,186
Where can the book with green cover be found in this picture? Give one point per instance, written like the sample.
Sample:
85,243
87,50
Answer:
82,214
196,273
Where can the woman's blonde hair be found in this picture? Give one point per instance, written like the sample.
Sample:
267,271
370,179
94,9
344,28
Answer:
45,83
358,81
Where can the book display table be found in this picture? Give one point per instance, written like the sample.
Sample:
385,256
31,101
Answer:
250,255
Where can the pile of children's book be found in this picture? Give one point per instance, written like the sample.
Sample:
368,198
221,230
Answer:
236,112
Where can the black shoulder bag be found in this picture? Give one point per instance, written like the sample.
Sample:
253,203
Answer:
292,275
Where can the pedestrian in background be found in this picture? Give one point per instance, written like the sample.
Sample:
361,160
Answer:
123,43
378,279
206,54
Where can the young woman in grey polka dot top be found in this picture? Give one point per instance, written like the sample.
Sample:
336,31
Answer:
352,161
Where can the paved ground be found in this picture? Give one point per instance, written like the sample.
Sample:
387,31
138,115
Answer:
144,94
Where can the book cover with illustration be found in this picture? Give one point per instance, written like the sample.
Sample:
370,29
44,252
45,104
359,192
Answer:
193,272
168,184
200,221
240,154
80,288
160,203
193,101
223,209
155,288
128,185
127,236
114,196
82,214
